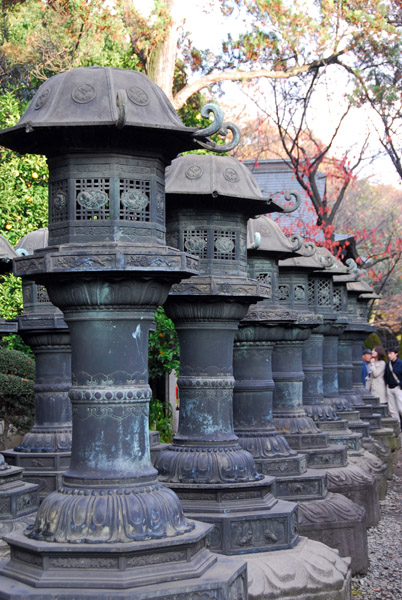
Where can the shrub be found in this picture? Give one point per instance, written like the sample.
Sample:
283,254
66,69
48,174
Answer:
17,409
371,341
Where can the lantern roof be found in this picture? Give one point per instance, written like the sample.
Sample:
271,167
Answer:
359,286
212,177
264,234
33,241
309,262
99,107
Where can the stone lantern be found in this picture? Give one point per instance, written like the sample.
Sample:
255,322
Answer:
208,202
323,516
111,529
361,418
44,452
19,500
326,342
320,354
342,478
357,332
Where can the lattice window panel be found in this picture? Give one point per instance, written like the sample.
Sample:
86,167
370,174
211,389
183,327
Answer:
196,242
41,294
134,200
225,245
310,293
284,292
92,199
324,293
337,300
58,201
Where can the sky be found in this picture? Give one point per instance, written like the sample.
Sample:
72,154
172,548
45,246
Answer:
207,27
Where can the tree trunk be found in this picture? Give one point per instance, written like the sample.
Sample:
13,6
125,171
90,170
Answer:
161,65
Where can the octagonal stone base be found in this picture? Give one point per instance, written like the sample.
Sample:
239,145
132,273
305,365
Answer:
383,453
329,457
311,485
373,465
390,423
339,523
358,486
43,468
247,517
181,568
310,571
17,498
386,436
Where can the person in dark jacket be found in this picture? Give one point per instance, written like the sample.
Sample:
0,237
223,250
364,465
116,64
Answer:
366,357
393,381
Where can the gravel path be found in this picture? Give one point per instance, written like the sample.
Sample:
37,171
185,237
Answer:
384,579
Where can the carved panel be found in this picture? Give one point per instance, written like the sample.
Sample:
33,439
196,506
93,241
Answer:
134,200
58,201
299,292
257,533
266,279
92,198
156,558
26,501
83,563
225,245
196,242
284,292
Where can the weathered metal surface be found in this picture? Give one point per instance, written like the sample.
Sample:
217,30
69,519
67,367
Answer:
42,327
19,500
111,528
270,324
214,476
97,107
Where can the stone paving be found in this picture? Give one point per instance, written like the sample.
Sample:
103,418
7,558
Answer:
384,579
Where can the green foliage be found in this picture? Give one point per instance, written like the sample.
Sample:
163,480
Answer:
371,341
15,342
163,346
17,373
161,419
23,200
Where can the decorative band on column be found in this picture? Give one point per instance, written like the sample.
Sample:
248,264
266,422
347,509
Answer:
109,395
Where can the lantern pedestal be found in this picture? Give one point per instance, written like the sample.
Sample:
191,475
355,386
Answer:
318,512
214,477
183,568
111,529
44,452
19,500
